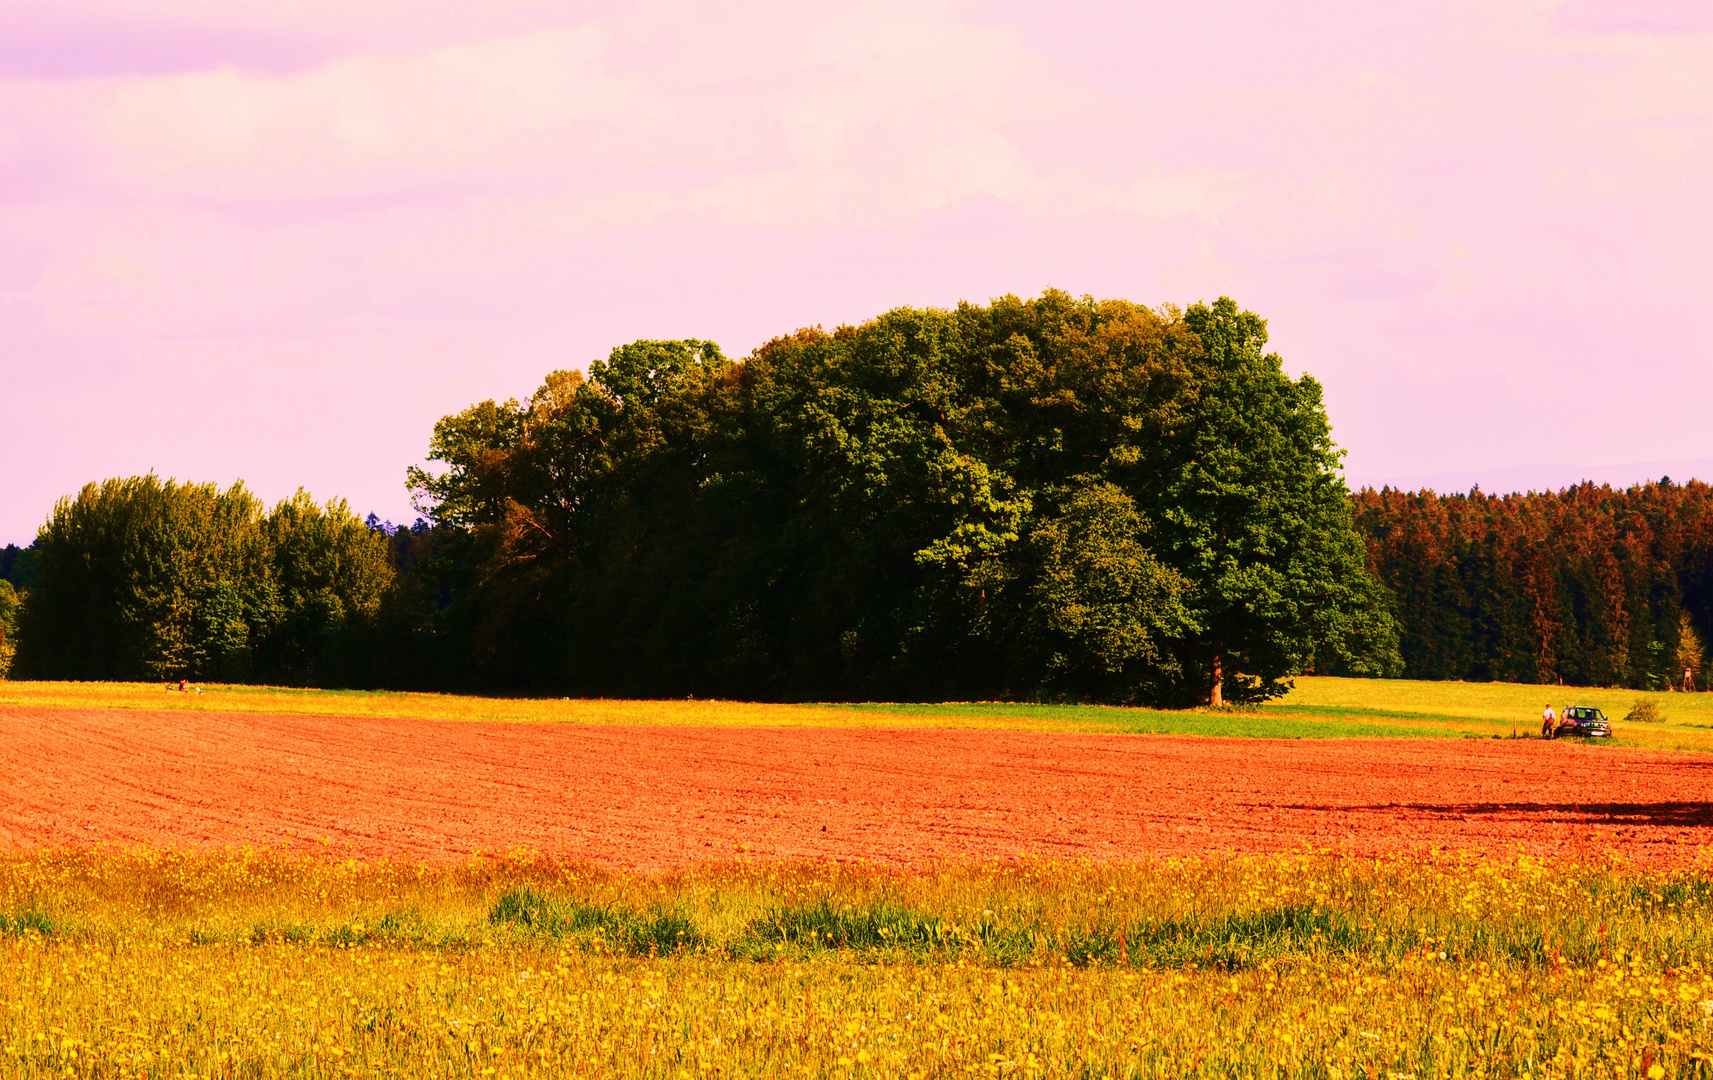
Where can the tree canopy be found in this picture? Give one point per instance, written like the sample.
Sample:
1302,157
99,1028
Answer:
148,579
1044,498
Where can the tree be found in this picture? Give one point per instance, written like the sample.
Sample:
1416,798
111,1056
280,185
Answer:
19,566
1257,520
1085,610
328,574
567,522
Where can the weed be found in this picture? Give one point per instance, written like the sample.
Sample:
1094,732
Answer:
26,922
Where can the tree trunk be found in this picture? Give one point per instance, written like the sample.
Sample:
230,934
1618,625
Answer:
1217,698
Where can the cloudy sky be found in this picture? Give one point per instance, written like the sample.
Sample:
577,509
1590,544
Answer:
276,240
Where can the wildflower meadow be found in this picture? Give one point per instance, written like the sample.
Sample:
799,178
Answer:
146,963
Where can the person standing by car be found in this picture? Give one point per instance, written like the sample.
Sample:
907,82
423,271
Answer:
1548,722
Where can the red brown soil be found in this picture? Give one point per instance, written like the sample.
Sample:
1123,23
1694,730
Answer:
659,797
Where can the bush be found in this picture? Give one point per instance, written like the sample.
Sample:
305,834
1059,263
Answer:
1645,711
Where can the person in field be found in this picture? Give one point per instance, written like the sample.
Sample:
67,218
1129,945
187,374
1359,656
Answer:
1548,719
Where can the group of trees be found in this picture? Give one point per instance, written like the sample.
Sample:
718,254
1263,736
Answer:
150,579
1045,498
1586,586
1052,498
1042,499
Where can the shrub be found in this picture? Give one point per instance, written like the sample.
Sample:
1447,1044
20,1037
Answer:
1645,711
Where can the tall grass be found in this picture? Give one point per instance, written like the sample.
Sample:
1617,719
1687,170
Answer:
149,963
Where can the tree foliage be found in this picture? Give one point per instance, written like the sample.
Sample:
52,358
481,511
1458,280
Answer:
1259,519
148,579
1044,498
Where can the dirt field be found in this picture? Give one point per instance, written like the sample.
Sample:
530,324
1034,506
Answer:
655,798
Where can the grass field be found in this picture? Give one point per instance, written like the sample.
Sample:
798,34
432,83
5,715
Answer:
1317,708
246,965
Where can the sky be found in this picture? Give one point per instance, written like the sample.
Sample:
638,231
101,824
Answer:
277,240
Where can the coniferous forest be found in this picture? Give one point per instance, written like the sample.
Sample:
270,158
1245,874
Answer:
1053,499
1587,586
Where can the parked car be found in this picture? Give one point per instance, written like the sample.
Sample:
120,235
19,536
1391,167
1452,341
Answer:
1579,720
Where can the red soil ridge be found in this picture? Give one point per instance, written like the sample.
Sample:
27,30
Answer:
657,798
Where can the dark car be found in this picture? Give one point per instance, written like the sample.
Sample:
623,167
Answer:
1584,722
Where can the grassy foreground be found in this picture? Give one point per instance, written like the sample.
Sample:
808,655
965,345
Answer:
1317,708
252,965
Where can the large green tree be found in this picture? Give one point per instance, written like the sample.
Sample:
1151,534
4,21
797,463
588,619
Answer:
974,488
327,575
577,523
1257,518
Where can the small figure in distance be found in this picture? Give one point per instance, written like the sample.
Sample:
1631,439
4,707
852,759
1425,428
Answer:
182,687
1688,681
1548,720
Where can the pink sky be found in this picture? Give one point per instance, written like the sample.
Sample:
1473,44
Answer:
277,240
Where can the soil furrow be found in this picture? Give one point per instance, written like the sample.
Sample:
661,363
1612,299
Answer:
655,798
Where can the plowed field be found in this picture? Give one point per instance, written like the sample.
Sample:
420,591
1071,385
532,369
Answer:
660,797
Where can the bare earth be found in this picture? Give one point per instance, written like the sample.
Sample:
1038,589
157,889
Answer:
655,798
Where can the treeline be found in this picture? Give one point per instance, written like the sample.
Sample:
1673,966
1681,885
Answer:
1043,499
1588,586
